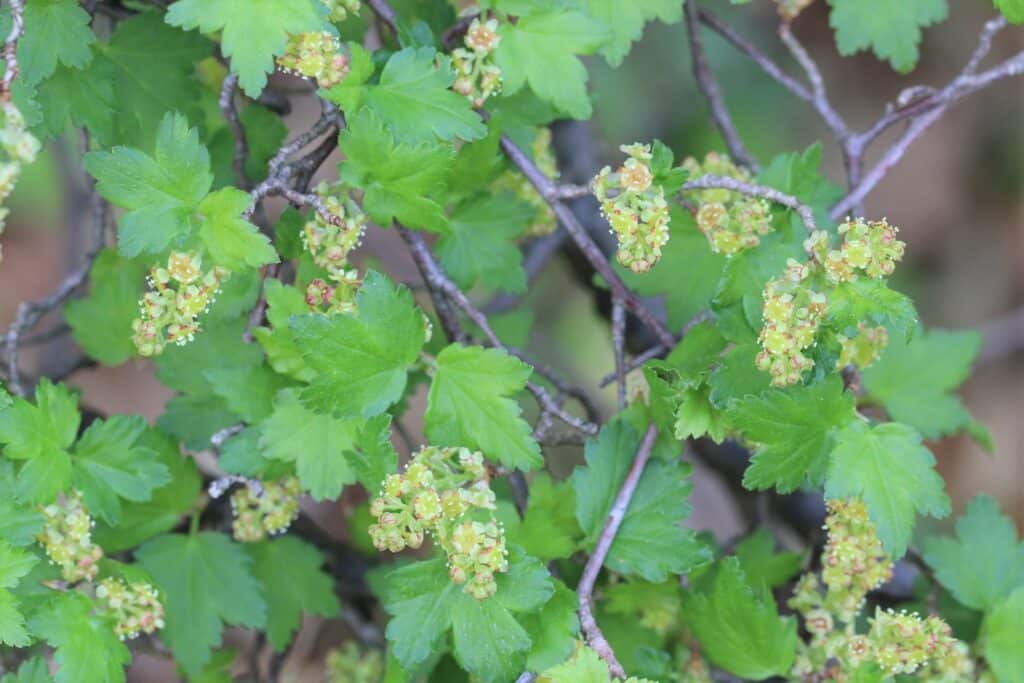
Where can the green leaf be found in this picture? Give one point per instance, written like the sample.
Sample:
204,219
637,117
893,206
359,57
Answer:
795,429
207,583
481,247
183,368
738,377
870,301
1013,10
650,542
55,31
887,466
914,380
891,29
86,96
985,563
110,464
552,629
233,242
12,621
693,357
549,529
799,174
166,506
362,358
293,583
160,192
375,456
397,179
101,322
253,32
33,670
585,666
413,96
487,639
541,50
14,564
41,435
86,649
739,629
19,524
762,565
152,69
625,21
469,405
248,390
318,444
1001,638
278,342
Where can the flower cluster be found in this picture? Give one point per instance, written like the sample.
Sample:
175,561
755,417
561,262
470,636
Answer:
268,510
863,348
339,10
731,221
869,248
18,147
635,207
67,539
179,294
477,77
350,664
792,312
901,643
544,222
315,55
135,606
329,242
441,492
854,561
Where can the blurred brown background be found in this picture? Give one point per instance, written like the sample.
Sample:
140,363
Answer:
958,197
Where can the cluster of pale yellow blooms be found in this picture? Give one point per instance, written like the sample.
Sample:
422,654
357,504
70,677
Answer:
330,241
476,74
267,511
18,148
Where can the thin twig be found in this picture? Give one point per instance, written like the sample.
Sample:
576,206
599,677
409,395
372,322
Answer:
592,569
230,113
657,350
618,345
751,190
819,99
11,48
712,93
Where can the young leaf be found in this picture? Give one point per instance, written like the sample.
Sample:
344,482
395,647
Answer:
650,542
737,377
413,96
481,246
871,301
397,179
1001,637
206,581
55,31
469,405
85,647
278,341
541,50
248,390
160,191
487,638
585,666
552,629
101,322
14,564
319,444
625,21
761,564
362,358
549,529
795,429
111,464
233,242
985,563
891,29
1013,10
914,380
34,670
293,583
887,466
739,629
253,32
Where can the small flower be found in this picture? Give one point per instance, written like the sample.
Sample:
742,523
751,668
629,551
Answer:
483,37
136,607
731,221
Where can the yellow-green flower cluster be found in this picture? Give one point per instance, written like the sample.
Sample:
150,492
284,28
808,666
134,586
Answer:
315,55
18,147
953,664
329,242
67,539
635,207
135,606
339,10
442,492
731,221
864,348
179,294
853,561
901,643
869,248
477,77
792,313
544,222
350,664
269,510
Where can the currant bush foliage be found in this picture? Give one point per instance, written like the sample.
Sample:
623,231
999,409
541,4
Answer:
294,365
